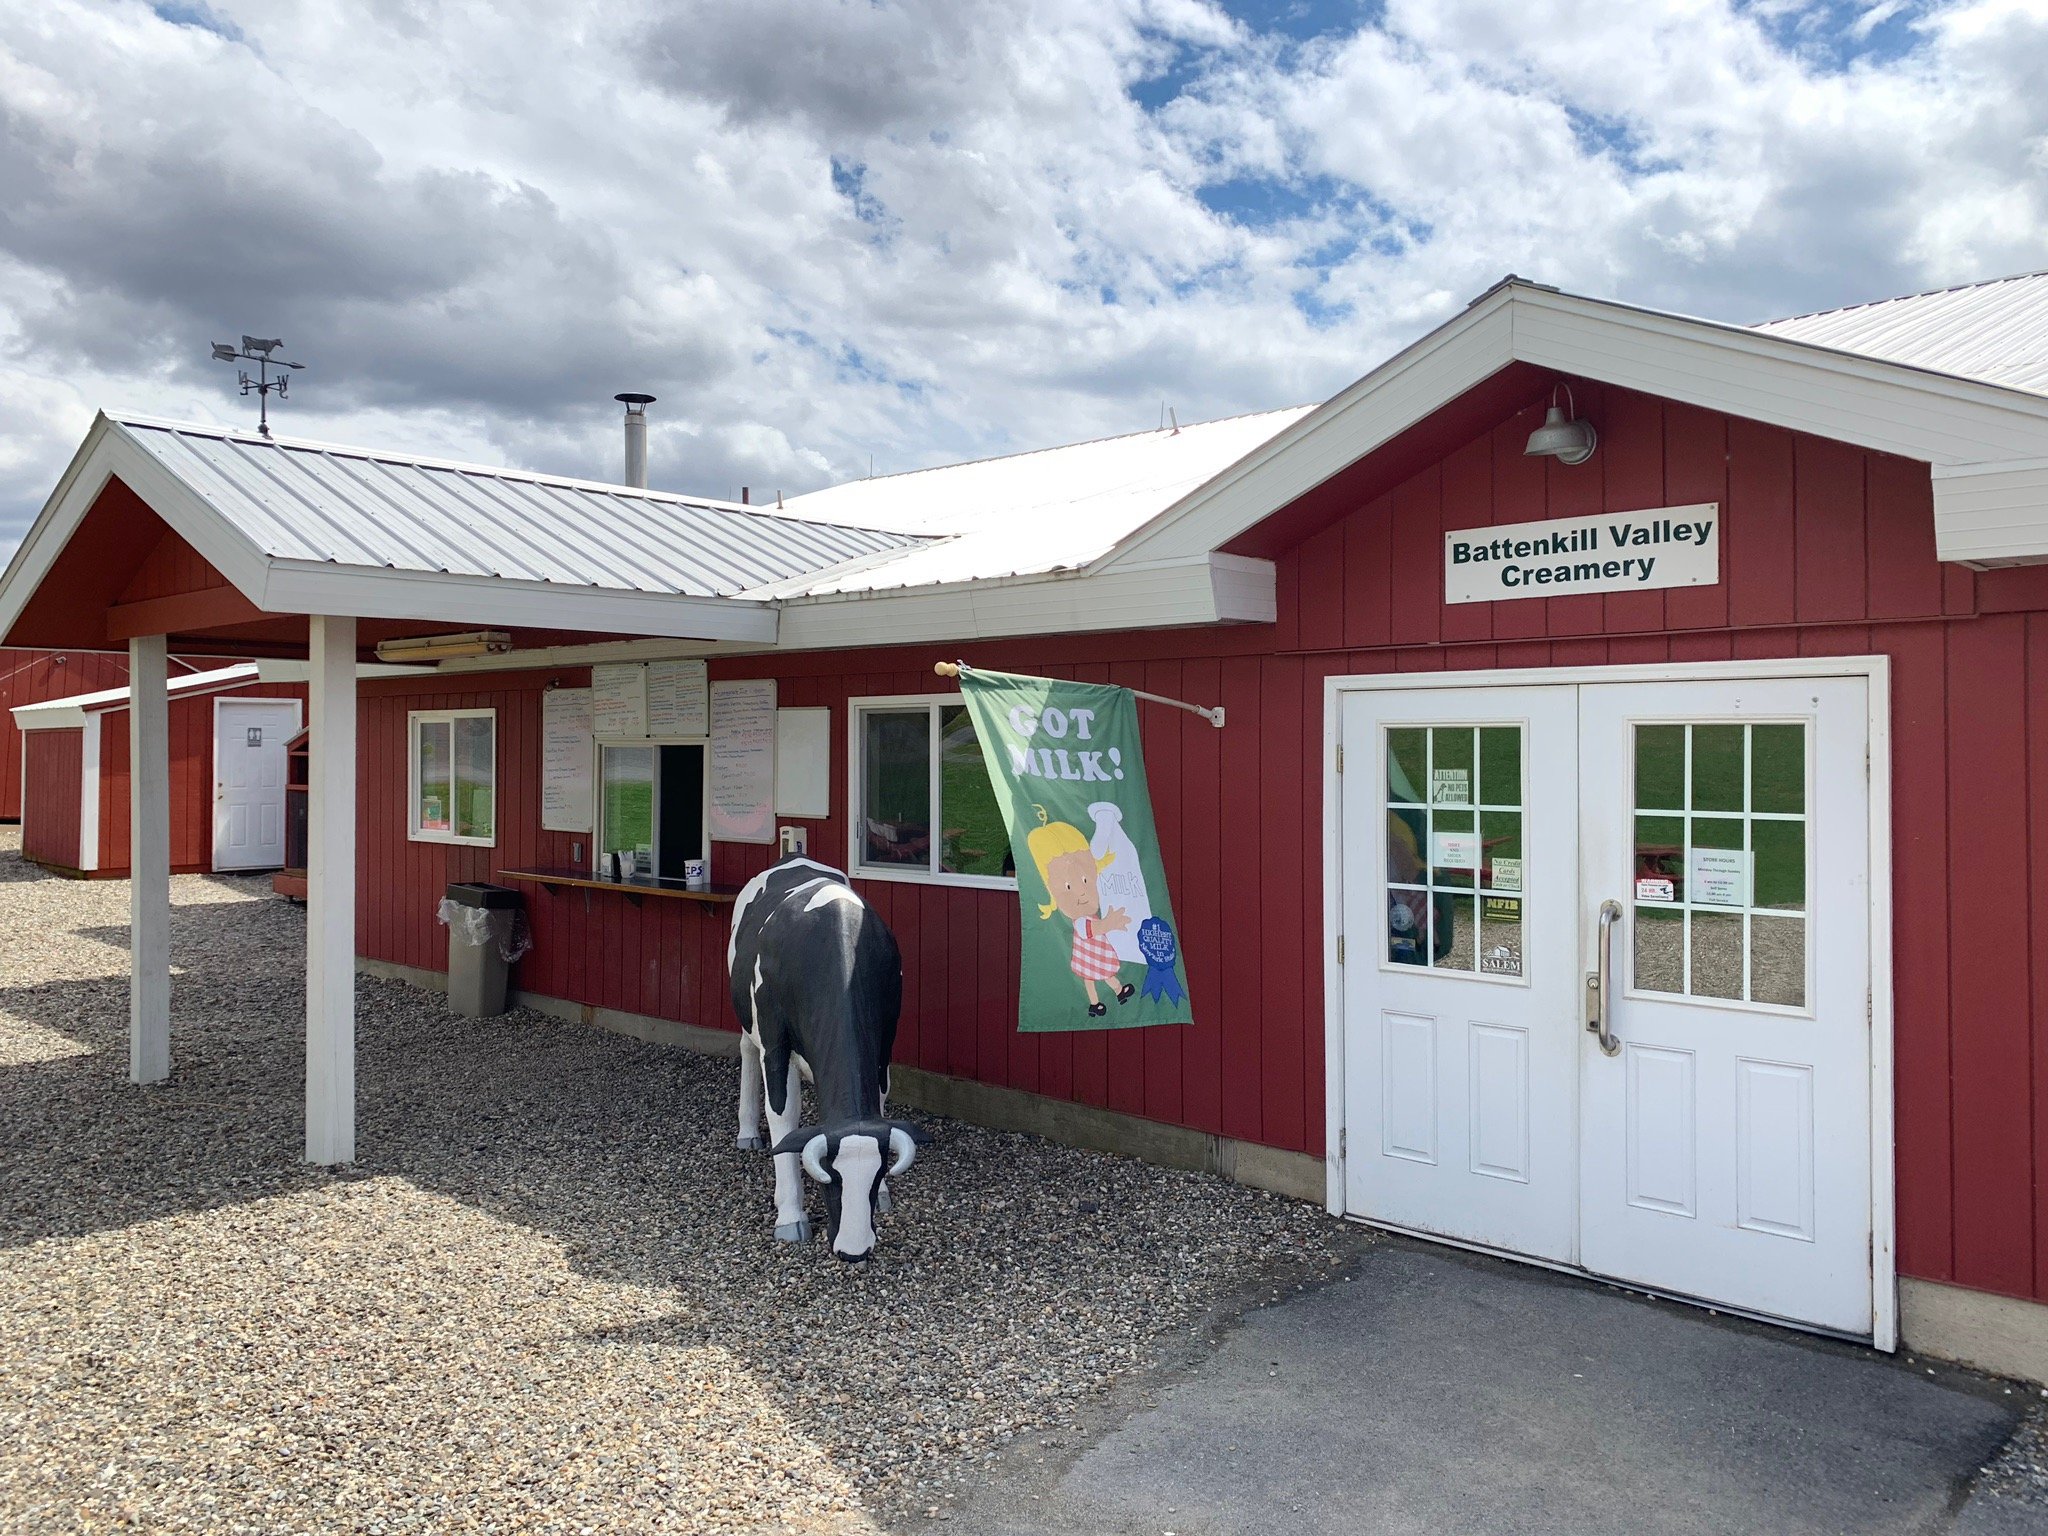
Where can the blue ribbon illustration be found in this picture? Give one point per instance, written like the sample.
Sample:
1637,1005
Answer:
1156,943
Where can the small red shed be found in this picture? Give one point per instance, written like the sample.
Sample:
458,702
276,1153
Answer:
229,730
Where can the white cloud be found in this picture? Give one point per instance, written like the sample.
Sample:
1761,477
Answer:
919,229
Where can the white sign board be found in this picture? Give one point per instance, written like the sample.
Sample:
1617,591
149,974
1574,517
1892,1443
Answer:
743,761
1565,556
618,697
1718,877
1456,850
567,760
803,762
678,702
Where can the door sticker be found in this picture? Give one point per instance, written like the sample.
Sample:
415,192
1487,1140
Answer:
255,736
1507,874
1720,877
1450,786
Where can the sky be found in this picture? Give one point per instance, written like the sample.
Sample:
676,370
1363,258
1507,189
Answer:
841,235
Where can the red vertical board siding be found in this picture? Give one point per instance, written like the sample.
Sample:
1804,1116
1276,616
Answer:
2037,909
1828,522
1695,471
1991,1067
1468,503
1575,490
32,677
1630,463
1920,952
53,781
1287,786
1518,497
1242,876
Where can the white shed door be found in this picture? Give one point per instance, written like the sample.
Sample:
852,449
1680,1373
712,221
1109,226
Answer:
249,737
1722,1152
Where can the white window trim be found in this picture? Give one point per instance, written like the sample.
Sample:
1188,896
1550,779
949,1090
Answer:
597,795
856,815
414,719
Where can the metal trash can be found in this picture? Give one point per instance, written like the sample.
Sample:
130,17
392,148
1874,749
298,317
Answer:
486,933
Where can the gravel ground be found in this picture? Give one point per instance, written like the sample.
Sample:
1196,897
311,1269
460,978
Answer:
547,1298
2019,1473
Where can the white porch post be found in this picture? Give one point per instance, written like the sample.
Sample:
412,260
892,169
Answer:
149,861
331,896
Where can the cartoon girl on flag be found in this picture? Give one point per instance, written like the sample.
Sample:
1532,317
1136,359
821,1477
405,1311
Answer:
1068,867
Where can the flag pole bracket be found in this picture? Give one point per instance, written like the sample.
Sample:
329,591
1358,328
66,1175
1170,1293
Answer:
1212,714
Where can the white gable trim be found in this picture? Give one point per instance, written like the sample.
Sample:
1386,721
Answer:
1938,419
309,587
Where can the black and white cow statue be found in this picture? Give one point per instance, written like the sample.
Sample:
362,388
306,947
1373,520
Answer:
817,982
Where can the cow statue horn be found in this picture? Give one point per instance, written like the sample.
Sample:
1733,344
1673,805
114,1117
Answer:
814,1159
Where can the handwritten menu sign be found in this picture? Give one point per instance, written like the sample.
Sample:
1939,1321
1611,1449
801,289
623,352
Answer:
677,704
567,751
743,761
618,698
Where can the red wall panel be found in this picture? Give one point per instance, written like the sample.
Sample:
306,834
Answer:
30,677
55,767
1828,551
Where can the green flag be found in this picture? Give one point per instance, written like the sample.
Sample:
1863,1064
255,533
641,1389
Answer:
1100,947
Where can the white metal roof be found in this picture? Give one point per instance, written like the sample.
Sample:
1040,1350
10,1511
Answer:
319,503
1996,331
1025,513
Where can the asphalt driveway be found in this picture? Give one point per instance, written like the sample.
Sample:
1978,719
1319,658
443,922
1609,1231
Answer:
1440,1392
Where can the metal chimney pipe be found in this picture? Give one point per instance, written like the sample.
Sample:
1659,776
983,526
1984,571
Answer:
636,437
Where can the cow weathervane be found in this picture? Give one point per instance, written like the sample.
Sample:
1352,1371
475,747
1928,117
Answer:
257,350
817,982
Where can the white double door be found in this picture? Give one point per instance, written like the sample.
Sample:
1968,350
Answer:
1714,1144
249,739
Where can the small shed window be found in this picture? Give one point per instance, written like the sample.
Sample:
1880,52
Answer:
652,806
454,776
923,808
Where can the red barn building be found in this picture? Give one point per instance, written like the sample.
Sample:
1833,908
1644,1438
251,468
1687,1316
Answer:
1634,861
228,732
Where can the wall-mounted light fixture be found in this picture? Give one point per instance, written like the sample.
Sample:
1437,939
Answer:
481,642
1565,439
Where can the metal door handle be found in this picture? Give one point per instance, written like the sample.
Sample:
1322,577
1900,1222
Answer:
1598,994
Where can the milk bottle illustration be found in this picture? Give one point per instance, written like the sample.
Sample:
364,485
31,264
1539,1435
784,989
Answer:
1122,881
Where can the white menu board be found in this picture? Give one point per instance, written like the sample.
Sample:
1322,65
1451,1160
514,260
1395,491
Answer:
567,760
677,702
618,697
743,761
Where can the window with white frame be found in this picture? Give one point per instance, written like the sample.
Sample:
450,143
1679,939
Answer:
453,761
923,807
651,808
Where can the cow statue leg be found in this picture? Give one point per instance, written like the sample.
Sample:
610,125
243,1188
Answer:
883,1204
750,1093
791,1224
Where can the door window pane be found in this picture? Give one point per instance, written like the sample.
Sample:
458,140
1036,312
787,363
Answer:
1777,961
896,787
973,840
1407,766
1660,767
1716,964
1443,848
1777,769
1717,767
1720,866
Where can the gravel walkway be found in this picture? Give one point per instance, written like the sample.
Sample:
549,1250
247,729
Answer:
547,1298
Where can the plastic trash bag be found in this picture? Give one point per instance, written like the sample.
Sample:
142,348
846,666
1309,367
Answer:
505,928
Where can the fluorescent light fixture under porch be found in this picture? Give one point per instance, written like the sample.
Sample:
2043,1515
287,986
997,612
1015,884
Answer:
481,642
